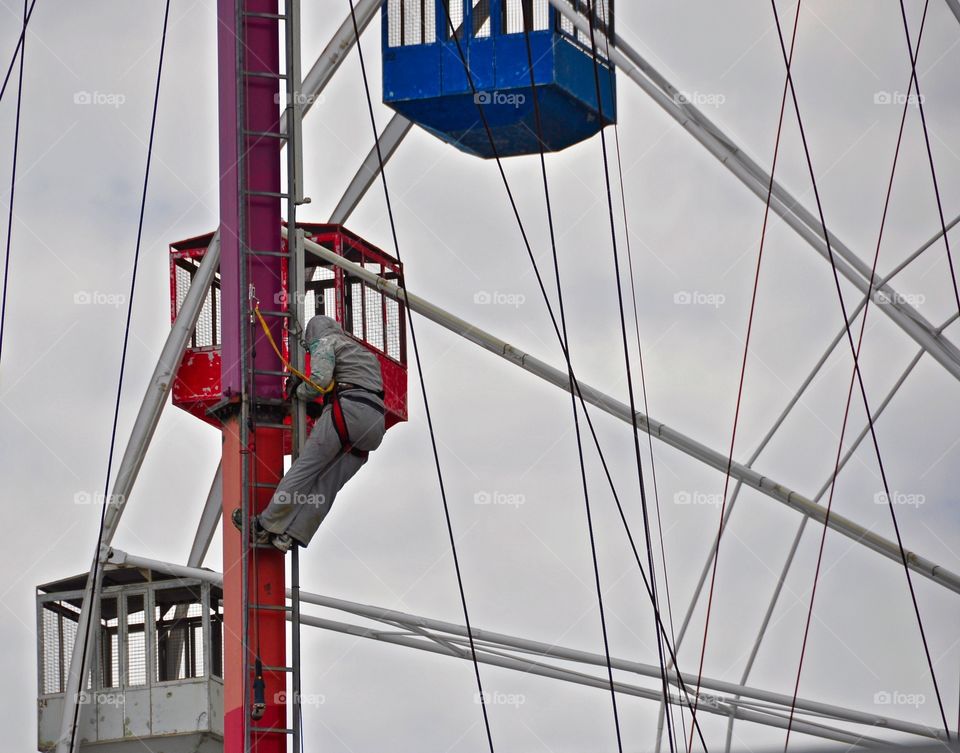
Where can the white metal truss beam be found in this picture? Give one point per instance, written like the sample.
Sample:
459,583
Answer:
209,519
672,437
954,6
389,140
764,707
159,387
754,177
332,56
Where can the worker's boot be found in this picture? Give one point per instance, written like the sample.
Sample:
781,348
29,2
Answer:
282,541
259,536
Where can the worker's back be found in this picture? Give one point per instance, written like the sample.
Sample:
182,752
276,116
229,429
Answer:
354,364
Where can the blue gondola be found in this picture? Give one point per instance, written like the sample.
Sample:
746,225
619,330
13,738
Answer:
424,78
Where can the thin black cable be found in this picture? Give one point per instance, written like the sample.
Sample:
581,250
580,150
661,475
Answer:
643,392
680,682
527,23
21,50
668,709
643,381
933,173
926,138
591,8
646,405
859,378
423,386
256,565
746,345
16,51
94,573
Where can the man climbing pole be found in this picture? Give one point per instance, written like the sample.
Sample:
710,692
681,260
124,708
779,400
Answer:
349,428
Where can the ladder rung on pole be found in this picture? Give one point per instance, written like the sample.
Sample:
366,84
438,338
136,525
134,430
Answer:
284,254
271,194
266,134
257,14
265,74
276,313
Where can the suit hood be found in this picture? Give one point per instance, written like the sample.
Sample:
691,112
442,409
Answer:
321,326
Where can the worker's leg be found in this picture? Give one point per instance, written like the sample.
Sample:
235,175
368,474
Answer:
366,428
297,485
312,512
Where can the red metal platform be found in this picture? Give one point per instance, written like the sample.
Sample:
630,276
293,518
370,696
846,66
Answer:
365,313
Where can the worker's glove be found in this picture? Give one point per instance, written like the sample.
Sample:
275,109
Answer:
314,409
290,387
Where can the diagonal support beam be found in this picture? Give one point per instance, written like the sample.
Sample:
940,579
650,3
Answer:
209,520
787,206
672,437
159,388
838,338
394,132
143,429
954,6
333,56
389,140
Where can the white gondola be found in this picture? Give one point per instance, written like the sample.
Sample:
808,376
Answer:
158,664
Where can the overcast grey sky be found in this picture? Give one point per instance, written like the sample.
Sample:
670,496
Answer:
694,233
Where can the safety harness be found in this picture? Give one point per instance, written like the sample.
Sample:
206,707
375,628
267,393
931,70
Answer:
340,422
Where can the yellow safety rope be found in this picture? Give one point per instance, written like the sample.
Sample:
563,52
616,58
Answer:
290,367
